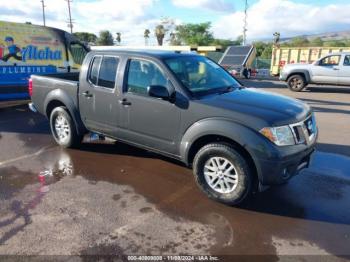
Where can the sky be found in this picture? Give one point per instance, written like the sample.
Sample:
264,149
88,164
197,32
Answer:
132,17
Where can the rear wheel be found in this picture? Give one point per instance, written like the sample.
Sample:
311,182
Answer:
296,83
63,128
222,173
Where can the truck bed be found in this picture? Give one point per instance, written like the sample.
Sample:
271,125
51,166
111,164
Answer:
55,84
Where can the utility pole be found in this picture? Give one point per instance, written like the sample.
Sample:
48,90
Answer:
70,23
245,23
43,5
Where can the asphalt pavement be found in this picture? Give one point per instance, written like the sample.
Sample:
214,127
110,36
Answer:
107,198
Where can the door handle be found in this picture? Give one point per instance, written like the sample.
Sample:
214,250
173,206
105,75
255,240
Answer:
334,68
124,102
87,94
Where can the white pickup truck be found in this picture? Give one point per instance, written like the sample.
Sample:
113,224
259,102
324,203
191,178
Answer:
332,69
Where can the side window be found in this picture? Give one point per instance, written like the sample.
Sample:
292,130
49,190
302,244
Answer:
94,70
108,71
330,60
142,74
347,60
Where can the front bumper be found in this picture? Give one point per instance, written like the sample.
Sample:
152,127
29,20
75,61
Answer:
283,76
279,171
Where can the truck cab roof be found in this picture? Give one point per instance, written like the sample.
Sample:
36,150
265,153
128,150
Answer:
160,54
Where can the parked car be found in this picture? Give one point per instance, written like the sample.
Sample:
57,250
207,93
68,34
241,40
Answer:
184,106
332,69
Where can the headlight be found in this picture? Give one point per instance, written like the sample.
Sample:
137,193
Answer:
281,136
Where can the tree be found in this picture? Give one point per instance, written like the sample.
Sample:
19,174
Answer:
194,34
267,53
263,50
298,41
160,34
146,36
316,42
224,43
105,38
118,38
85,37
335,43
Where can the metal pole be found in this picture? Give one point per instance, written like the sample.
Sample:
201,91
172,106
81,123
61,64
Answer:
245,23
70,17
43,5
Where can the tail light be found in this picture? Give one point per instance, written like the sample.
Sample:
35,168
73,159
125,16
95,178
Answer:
30,87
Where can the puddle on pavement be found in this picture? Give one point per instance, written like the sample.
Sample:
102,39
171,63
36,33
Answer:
107,198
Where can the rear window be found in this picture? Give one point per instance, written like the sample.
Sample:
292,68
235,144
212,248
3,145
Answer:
94,70
103,71
108,71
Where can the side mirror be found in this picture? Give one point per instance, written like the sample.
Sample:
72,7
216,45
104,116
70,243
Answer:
159,92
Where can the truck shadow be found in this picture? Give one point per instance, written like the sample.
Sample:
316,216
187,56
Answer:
119,148
327,106
20,119
321,192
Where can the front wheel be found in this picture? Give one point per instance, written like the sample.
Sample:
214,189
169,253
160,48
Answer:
222,173
296,83
63,128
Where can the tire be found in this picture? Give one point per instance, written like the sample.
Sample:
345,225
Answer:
63,128
231,193
296,83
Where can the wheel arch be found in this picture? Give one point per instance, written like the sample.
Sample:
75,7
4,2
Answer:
303,73
208,139
252,145
57,98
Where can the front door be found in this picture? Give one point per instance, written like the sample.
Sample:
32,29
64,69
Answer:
97,95
344,71
146,120
326,71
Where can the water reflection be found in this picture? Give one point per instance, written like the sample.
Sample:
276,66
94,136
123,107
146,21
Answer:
56,170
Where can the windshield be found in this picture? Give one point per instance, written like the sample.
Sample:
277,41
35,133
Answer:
200,75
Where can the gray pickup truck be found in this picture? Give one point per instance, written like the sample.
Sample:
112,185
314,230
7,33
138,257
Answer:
332,69
186,107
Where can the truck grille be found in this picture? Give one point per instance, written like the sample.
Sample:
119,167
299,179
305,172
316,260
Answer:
305,131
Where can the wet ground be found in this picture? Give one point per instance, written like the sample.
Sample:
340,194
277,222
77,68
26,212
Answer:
109,198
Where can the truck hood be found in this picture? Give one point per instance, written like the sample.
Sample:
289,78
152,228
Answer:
257,108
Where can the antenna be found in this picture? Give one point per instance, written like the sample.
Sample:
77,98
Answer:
70,23
43,5
245,23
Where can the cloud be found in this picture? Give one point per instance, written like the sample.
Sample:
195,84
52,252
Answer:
285,16
130,17
217,5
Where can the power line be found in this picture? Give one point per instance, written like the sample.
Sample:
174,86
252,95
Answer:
70,23
245,23
43,5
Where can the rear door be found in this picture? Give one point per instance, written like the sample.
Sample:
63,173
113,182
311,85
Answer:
146,120
98,101
326,72
344,71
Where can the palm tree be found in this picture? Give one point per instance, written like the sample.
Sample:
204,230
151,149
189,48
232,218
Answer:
160,33
146,36
118,38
